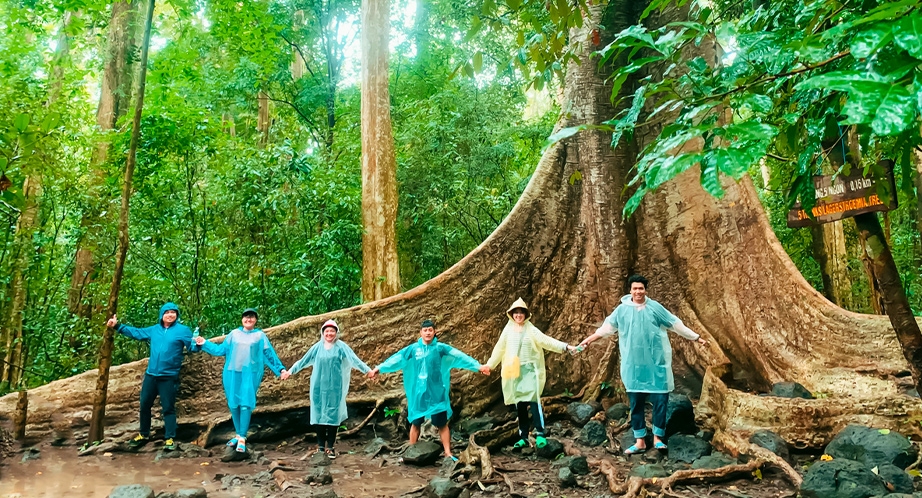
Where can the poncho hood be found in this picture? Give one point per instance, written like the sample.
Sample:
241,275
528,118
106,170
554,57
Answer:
168,307
628,300
329,323
519,303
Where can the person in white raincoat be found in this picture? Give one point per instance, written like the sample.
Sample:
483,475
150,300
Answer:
333,361
646,357
520,349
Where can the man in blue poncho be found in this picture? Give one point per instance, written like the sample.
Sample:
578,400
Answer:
646,357
426,366
168,340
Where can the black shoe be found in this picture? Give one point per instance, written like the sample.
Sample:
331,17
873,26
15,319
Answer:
138,441
331,453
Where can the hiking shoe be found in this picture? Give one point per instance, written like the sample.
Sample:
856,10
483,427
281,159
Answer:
331,453
540,442
138,441
521,443
170,445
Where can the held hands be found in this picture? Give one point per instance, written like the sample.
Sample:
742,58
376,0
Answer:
285,375
701,340
484,369
199,340
112,322
372,373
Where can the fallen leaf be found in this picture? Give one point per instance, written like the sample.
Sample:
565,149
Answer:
204,464
38,473
197,473
107,454
826,458
884,431
758,474
876,471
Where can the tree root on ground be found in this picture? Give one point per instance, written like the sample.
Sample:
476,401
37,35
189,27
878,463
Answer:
496,437
472,456
353,431
736,445
635,486
512,491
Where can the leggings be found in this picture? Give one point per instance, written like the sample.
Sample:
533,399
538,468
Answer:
537,413
241,416
326,435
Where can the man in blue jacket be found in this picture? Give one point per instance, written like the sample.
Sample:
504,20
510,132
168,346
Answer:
168,340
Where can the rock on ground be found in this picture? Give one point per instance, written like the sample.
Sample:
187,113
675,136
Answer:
841,478
550,450
617,411
872,447
593,434
650,470
443,487
319,459
771,442
132,491
685,448
896,477
566,477
580,413
577,464
374,445
473,425
790,390
319,475
31,454
714,461
185,493
326,493
680,415
422,453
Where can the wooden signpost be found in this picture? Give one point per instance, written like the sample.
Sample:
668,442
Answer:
844,196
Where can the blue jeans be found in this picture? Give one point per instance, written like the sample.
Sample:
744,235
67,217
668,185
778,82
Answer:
166,388
638,421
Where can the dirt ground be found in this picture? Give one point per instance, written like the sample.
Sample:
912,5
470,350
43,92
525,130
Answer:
59,472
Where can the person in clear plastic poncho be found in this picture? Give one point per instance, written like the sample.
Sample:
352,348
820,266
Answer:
333,361
646,357
426,366
247,352
521,349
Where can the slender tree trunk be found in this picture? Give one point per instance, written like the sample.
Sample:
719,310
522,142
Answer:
263,120
11,336
114,100
97,423
380,266
61,59
830,252
421,35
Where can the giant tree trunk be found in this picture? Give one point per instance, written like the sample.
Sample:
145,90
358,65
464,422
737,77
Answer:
380,266
114,99
97,422
566,250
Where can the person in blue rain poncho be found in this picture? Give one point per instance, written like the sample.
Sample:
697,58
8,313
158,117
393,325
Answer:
333,361
426,366
247,352
646,357
168,339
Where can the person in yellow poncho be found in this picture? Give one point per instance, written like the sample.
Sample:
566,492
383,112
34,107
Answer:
520,349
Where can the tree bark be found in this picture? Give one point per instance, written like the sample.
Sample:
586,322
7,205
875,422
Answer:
830,252
114,100
263,120
566,250
97,422
11,335
380,266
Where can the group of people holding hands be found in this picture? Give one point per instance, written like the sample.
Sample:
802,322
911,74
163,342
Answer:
641,324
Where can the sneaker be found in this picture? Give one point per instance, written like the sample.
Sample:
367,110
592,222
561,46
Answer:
521,443
138,441
331,453
170,445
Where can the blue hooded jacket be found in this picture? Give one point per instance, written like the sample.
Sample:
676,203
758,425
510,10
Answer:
166,344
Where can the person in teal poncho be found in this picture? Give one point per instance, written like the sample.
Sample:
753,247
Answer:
426,366
247,352
646,357
168,339
333,361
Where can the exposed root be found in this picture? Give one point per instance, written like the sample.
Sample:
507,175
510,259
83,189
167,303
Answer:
202,440
736,445
512,491
614,442
915,464
351,432
475,454
20,416
635,486
497,436
569,448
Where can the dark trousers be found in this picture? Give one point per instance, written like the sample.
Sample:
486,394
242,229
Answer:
638,421
522,408
166,388
326,435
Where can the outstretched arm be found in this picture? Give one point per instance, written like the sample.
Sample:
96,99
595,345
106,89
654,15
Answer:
141,334
272,359
356,362
306,361
393,364
201,344
549,343
606,330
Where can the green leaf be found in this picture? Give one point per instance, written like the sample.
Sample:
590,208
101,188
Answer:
709,178
868,42
21,122
756,102
51,121
575,177
884,431
907,33
478,62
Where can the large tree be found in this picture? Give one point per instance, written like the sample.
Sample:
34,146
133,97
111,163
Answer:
566,249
